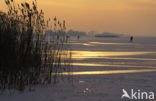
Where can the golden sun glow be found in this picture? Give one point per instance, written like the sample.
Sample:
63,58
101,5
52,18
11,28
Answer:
135,17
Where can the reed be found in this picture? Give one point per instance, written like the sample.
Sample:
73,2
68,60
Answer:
25,52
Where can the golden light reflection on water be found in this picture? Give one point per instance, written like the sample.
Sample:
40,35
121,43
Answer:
86,44
147,59
81,55
108,65
105,72
101,43
98,54
106,43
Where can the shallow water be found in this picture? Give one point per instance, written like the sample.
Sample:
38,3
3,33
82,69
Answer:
100,71
105,72
118,55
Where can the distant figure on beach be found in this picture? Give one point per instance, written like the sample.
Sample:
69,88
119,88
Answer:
78,37
131,39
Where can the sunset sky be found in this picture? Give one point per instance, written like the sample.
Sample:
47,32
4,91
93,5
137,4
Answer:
135,17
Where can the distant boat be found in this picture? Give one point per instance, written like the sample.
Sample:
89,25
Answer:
107,34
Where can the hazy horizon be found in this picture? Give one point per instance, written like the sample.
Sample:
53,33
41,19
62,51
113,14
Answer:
135,17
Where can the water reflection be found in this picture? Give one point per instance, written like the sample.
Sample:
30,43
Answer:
81,81
99,54
99,43
123,58
86,44
104,72
104,43
108,65
95,42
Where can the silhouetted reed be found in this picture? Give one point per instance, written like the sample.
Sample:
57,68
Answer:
25,52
